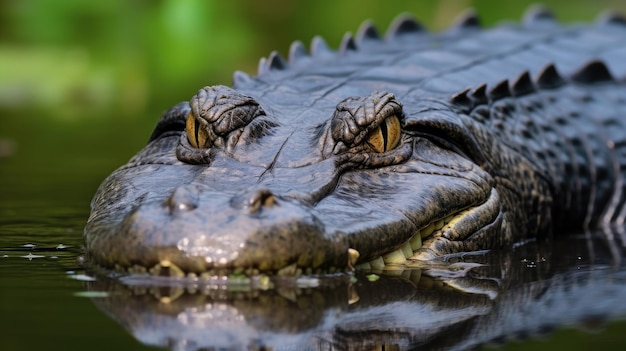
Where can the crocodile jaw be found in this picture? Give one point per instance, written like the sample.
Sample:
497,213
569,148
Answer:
456,226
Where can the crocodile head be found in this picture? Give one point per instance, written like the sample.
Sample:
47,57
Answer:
363,157
234,182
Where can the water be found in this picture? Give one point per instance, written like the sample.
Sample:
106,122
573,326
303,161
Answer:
46,186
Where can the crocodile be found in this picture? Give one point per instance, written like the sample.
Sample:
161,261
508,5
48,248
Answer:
408,147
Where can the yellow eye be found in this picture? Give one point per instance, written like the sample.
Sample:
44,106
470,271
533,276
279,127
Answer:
387,136
191,130
196,135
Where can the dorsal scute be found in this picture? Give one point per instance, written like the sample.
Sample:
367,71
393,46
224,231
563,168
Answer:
499,91
523,85
403,24
593,71
347,44
262,67
549,77
367,31
479,94
611,18
319,47
276,62
297,52
538,15
241,79
462,100
467,20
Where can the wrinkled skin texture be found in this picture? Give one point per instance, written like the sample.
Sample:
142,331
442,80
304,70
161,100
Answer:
283,173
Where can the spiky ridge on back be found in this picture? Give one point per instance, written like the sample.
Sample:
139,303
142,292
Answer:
535,16
548,78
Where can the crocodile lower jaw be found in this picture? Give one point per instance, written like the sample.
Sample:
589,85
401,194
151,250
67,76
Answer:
457,226
400,255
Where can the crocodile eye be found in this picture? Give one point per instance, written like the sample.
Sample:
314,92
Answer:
386,136
196,135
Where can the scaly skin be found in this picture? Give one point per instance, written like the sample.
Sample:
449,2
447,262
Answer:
468,139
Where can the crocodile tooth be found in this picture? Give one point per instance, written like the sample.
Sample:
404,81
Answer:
396,256
449,218
438,224
407,251
416,242
377,263
353,256
427,230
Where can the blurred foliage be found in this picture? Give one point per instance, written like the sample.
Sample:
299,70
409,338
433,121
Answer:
75,58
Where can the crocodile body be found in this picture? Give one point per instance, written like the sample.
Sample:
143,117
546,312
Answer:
413,146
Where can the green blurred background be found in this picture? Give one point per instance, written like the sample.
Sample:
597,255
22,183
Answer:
82,84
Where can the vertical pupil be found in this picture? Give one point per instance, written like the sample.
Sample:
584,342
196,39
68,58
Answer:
196,129
385,133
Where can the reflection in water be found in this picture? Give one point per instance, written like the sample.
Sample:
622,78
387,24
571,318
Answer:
465,302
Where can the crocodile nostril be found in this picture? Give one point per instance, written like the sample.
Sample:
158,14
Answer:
262,198
182,199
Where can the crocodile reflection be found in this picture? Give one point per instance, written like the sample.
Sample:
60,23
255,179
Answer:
464,303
